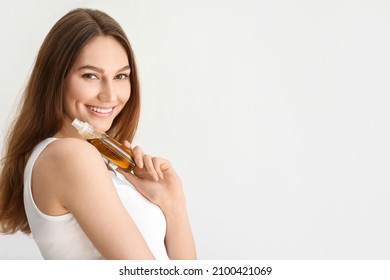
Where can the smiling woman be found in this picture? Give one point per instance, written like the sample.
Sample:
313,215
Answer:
57,186
97,87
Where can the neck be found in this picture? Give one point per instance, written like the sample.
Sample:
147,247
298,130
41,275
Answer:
67,130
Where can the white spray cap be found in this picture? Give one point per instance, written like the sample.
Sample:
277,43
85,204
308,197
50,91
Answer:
84,128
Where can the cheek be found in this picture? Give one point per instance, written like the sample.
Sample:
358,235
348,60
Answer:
124,93
68,93
70,89
76,90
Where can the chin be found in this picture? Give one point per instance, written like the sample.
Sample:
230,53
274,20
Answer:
101,125
103,128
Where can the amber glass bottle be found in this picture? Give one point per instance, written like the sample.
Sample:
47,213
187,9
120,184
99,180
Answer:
106,145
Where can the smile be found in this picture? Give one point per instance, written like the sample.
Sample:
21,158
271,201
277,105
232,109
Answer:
100,110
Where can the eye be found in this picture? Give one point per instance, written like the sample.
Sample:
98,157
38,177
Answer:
121,76
90,76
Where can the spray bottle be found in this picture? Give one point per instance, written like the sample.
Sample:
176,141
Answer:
106,145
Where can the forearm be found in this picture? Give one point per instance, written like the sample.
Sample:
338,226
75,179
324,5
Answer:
158,182
179,240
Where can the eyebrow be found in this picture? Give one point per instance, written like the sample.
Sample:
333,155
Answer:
100,70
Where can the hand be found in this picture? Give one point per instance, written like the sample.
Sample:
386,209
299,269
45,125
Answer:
155,179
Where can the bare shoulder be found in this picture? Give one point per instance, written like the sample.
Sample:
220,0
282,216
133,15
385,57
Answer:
67,154
68,148
61,169
65,163
69,157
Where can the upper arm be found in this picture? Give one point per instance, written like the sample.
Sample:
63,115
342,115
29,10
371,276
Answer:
84,187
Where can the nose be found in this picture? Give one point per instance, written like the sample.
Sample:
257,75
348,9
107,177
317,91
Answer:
107,93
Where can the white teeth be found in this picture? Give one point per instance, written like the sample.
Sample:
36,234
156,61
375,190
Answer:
100,110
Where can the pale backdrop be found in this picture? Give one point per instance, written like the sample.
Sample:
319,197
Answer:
275,114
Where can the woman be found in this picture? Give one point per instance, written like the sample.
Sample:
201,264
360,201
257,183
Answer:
57,186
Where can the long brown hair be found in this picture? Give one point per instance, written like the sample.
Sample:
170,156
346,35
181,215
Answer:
41,112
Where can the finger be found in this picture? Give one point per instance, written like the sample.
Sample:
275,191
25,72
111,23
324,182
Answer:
150,167
138,156
157,162
127,144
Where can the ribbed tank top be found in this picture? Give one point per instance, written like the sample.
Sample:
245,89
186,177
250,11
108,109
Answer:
61,237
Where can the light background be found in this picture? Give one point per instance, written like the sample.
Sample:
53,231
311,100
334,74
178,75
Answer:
274,113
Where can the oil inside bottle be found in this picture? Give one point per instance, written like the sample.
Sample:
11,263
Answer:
121,158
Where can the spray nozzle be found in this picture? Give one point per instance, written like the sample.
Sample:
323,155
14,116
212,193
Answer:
84,128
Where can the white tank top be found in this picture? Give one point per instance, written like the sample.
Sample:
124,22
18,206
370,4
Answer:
61,237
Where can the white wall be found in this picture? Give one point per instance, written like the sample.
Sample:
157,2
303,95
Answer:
275,113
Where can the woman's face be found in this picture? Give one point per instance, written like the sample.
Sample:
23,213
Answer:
98,85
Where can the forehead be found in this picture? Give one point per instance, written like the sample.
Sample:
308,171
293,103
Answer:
104,52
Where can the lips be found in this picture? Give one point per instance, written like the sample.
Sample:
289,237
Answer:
100,110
